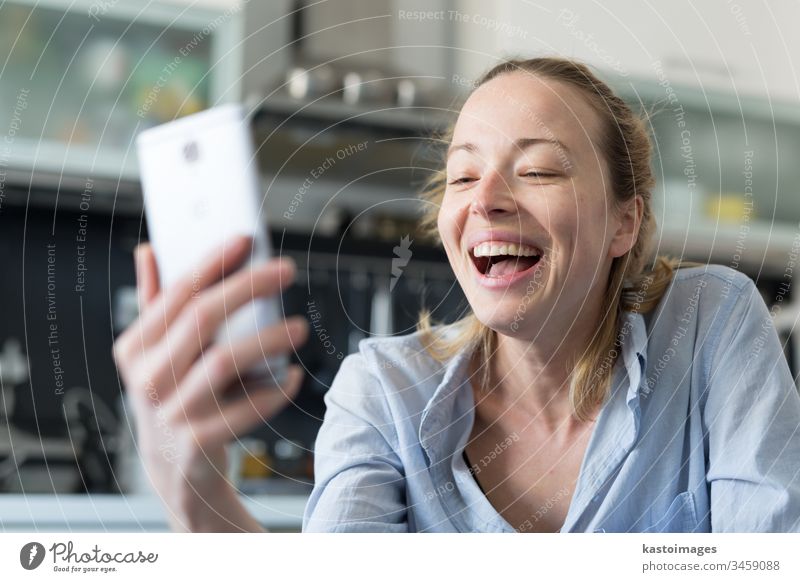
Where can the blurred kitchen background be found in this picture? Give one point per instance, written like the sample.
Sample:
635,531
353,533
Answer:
348,100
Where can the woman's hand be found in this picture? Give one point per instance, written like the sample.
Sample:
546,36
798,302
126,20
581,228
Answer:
187,393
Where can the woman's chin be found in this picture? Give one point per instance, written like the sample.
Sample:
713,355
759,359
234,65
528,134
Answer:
513,324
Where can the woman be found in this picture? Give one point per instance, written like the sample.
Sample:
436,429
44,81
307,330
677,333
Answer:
586,391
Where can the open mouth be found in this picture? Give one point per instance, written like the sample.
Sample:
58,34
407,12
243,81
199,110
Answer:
497,260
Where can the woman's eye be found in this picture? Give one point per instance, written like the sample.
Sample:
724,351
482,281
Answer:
537,174
464,180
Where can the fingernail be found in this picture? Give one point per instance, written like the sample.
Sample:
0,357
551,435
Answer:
240,242
287,263
298,326
137,257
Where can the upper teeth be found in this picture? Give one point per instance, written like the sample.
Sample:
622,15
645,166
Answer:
492,249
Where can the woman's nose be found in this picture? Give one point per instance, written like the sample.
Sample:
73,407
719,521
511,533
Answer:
493,195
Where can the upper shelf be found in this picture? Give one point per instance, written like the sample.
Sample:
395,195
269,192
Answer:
650,91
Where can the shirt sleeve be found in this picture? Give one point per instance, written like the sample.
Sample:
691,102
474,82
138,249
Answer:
359,479
752,422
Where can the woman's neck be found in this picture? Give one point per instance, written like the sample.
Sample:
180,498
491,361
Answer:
535,374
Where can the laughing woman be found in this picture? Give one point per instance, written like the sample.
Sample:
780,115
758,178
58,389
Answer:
591,388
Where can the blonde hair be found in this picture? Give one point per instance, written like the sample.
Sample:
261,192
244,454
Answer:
631,287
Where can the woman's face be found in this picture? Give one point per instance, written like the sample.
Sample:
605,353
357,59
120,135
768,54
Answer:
526,218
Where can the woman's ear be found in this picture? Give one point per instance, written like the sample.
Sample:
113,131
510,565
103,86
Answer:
629,221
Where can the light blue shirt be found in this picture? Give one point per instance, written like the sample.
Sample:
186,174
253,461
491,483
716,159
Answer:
700,431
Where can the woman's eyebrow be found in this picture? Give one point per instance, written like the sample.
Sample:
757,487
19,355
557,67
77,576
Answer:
520,144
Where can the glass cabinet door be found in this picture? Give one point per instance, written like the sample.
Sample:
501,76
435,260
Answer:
78,81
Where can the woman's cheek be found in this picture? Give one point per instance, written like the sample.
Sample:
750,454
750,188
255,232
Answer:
447,230
450,216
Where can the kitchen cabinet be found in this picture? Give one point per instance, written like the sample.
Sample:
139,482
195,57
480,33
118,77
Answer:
746,47
726,180
82,78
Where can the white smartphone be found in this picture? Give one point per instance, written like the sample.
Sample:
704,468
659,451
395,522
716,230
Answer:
200,186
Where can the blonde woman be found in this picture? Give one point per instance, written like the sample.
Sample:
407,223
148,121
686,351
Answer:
592,387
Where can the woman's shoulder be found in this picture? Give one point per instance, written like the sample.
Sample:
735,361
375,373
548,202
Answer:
396,366
712,300
707,289
718,277
405,355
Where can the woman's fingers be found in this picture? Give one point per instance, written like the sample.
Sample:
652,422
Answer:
146,275
242,415
151,325
172,300
167,303
203,317
223,365
131,343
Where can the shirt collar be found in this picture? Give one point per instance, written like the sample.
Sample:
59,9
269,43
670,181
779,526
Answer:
634,351
438,415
